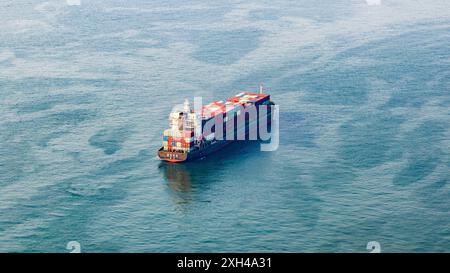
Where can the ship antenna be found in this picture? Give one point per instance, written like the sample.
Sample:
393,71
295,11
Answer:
260,88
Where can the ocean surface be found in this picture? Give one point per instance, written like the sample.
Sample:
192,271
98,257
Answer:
364,94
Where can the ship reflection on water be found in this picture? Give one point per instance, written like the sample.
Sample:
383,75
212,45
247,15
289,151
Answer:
178,177
186,182
190,180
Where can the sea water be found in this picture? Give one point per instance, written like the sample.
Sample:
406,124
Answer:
364,94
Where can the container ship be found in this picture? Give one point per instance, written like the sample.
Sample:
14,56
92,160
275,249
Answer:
187,139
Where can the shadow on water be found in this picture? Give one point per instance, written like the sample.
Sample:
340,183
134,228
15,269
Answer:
196,176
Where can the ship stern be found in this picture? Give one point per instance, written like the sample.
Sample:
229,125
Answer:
172,156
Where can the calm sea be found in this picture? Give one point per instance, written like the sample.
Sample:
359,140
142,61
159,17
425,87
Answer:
364,155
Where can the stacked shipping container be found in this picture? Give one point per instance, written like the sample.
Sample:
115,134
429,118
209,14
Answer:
183,140
178,140
232,108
